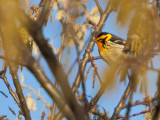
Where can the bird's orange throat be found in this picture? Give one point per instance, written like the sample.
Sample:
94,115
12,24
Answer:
100,46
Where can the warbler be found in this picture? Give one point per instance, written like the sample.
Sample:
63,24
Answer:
110,47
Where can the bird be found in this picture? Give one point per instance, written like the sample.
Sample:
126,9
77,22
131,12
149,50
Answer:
110,47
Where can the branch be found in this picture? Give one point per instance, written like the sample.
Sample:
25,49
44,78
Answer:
13,71
43,17
103,117
38,95
99,7
144,111
43,115
95,68
53,109
2,117
121,102
157,108
53,63
14,95
3,94
89,21
37,71
129,104
41,3
94,101
145,102
89,49
90,46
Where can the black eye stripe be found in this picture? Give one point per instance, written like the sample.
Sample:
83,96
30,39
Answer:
101,40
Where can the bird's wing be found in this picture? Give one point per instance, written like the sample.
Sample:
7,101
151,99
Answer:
118,40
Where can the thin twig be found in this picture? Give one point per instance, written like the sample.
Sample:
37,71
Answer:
88,72
129,105
3,94
121,102
145,102
71,68
54,65
144,111
99,7
104,117
95,67
2,117
99,78
53,109
44,15
90,46
13,71
38,95
157,108
14,95
43,115
89,21
12,111
41,3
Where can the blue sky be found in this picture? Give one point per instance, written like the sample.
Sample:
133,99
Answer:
109,100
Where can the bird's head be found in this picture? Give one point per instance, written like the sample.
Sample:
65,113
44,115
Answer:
101,39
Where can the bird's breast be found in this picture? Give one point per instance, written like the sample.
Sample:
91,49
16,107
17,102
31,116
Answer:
112,53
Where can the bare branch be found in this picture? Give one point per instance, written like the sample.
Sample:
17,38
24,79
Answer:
136,114
41,3
129,105
90,46
95,67
99,7
14,95
2,117
44,15
13,71
86,56
94,25
121,102
38,95
12,111
35,68
88,72
94,101
157,111
43,115
53,63
3,94
53,109
144,102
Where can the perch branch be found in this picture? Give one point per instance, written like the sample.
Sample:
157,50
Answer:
90,46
